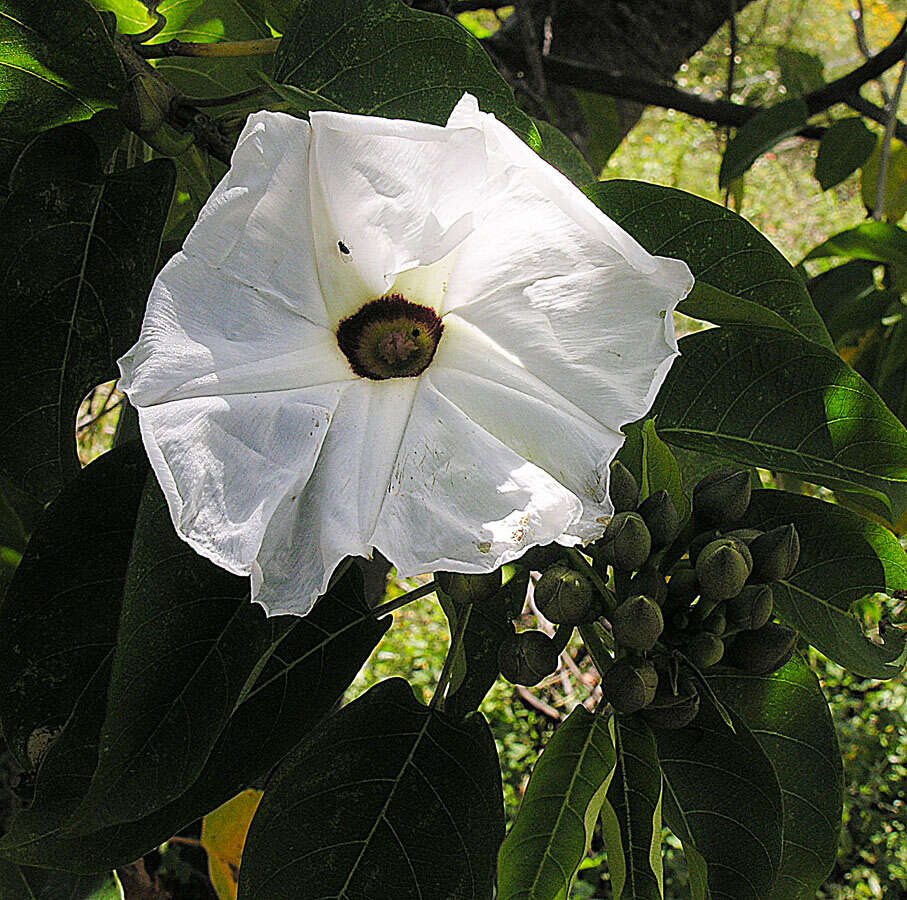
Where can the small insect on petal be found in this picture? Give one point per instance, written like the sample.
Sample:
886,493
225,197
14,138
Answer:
343,248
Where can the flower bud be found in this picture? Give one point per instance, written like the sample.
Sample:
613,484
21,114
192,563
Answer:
626,543
564,596
670,710
722,497
705,649
637,623
683,586
623,489
650,583
716,621
751,608
764,651
775,554
528,657
721,569
628,687
703,539
661,518
469,588
145,102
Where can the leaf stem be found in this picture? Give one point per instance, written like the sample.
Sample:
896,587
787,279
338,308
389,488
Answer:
586,568
446,673
403,599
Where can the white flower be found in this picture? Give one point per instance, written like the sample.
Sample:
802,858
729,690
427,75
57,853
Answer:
520,326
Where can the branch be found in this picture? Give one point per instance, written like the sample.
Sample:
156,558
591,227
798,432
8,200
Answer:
209,51
722,112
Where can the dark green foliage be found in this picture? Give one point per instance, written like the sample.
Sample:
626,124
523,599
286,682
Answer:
426,822
337,54
63,244
741,277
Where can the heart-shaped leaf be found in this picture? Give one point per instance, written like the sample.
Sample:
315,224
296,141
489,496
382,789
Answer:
386,798
842,150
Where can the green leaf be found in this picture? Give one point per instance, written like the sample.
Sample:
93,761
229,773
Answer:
771,399
382,58
79,151
712,304
759,135
653,464
488,625
847,299
723,251
57,65
722,799
76,264
18,883
895,180
188,639
551,834
604,127
878,241
843,149
801,72
207,21
561,152
635,796
58,621
305,674
421,799
843,557
789,716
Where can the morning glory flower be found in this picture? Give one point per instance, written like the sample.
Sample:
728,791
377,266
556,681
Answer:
387,335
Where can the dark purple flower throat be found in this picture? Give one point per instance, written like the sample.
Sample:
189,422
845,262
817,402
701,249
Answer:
390,338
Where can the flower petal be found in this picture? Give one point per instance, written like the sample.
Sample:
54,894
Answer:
224,463
333,514
256,225
537,423
396,194
550,278
462,501
207,334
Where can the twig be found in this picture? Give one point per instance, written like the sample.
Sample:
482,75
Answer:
154,30
208,50
536,703
723,112
879,211
857,17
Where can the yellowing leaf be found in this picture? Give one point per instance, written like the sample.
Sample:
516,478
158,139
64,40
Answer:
223,836
895,184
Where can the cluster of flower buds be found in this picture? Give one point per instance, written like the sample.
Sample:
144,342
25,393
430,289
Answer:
675,617
678,599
